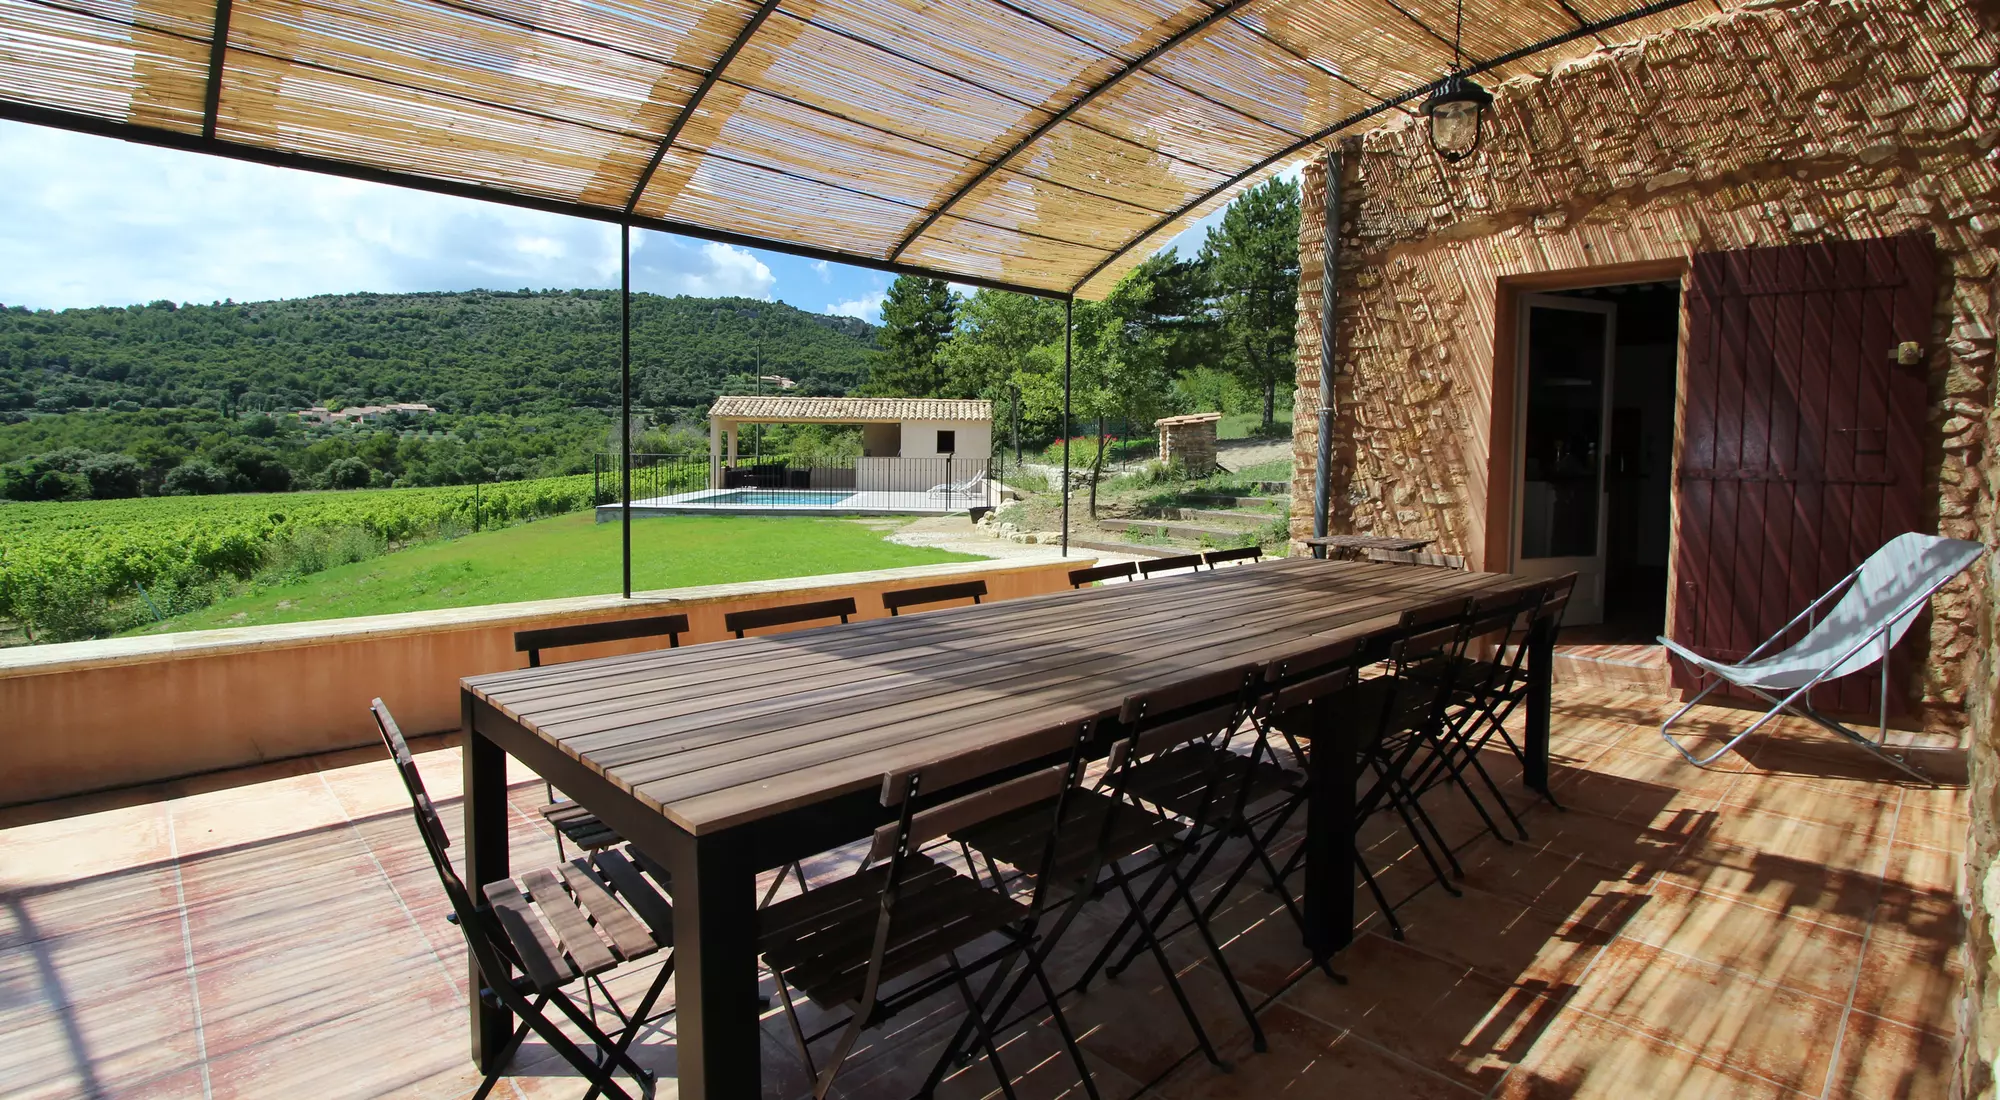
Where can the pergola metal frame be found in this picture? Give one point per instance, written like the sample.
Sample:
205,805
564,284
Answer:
628,218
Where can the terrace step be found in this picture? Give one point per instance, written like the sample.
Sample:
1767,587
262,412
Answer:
1226,516
1281,488
1223,501
1134,548
1190,531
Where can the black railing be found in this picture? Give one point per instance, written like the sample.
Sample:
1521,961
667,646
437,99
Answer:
692,483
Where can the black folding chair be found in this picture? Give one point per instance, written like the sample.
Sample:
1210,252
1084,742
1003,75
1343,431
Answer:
895,602
1240,553
1080,577
1479,685
556,926
1493,686
1397,716
1151,566
757,618
1109,840
570,820
847,942
1414,557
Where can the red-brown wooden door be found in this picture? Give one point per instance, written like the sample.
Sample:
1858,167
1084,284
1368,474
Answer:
1801,439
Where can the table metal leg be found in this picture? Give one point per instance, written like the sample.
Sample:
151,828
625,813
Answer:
485,767
1329,900
715,971
1541,678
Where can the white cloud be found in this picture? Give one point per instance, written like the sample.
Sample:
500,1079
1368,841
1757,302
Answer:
823,269
868,307
91,221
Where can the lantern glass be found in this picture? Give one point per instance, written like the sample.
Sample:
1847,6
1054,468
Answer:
1455,128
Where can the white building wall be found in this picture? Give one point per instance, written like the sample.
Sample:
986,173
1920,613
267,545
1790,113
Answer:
974,438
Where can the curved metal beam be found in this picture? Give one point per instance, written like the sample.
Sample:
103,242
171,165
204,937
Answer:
1507,58
1078,104
693,104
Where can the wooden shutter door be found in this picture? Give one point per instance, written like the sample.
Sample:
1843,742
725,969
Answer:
1802,437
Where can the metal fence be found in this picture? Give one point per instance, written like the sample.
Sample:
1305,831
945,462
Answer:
694,483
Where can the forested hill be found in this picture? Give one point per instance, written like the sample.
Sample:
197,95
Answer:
466,352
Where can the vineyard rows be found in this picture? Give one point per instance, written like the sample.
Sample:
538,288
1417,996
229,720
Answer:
101,551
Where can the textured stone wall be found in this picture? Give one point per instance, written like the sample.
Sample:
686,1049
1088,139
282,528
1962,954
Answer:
1775,124
1781,122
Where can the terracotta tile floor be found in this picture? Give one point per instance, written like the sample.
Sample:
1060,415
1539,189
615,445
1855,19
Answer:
1782,925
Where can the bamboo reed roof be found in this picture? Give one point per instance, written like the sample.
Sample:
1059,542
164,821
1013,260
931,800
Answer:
1042,145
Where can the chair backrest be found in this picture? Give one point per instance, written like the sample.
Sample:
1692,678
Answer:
740,621
1415,557
533,642
1080,577
1240,553
895,602
1191,710
1886,595
914,827
1311,675
1166,565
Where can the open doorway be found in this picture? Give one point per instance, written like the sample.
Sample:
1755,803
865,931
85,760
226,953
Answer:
1594,458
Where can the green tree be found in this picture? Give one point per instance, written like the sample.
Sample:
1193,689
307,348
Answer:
1252,262
917,320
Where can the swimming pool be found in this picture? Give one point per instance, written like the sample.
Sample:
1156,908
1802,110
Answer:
796,498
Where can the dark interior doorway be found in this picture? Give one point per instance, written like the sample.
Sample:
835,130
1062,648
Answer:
1639,456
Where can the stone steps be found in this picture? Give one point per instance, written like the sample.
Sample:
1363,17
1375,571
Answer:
1219,516
1172,530
1223,501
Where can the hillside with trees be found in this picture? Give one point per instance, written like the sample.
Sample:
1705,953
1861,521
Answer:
189,400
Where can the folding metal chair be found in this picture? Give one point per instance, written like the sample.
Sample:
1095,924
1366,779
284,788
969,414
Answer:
739,621
1096,573
1397,716
1878,603
845,943
570,820
1414,557
895,602
559,926
1106,841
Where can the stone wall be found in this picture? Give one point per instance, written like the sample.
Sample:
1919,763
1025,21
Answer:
1781,122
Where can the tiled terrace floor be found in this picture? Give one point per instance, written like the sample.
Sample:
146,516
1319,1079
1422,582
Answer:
1783,926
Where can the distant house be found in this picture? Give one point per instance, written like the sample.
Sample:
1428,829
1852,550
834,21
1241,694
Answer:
906,443
363,413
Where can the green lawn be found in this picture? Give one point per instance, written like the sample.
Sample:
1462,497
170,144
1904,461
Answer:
1246,425
570,556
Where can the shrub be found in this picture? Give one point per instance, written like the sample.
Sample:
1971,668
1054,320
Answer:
194,478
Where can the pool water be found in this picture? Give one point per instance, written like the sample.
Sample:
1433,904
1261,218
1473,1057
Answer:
778,497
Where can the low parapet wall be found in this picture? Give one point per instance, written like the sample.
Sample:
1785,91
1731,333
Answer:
88,716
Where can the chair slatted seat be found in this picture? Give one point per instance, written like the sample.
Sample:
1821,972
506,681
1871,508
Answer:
1184,781
1097,573
1018,839
895,602
819,939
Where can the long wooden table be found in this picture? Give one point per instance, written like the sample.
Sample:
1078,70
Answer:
721,761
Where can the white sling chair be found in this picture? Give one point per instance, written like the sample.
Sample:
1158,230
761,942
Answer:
1878,602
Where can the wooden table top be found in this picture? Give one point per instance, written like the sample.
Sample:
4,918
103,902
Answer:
724,733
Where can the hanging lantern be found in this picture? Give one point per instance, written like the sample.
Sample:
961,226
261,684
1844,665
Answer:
1457,109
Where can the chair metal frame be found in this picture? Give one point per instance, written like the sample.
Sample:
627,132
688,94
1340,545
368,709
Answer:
898,842
487,940
1797,701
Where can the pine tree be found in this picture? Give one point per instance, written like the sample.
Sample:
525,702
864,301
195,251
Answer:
1252,261
917,319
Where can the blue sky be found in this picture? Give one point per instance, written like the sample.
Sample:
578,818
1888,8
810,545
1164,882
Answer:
91,221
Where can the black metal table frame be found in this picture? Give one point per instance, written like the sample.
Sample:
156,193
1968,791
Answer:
715,875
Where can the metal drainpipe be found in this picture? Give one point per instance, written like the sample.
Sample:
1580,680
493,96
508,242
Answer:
1329,269
625,393
1069,325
